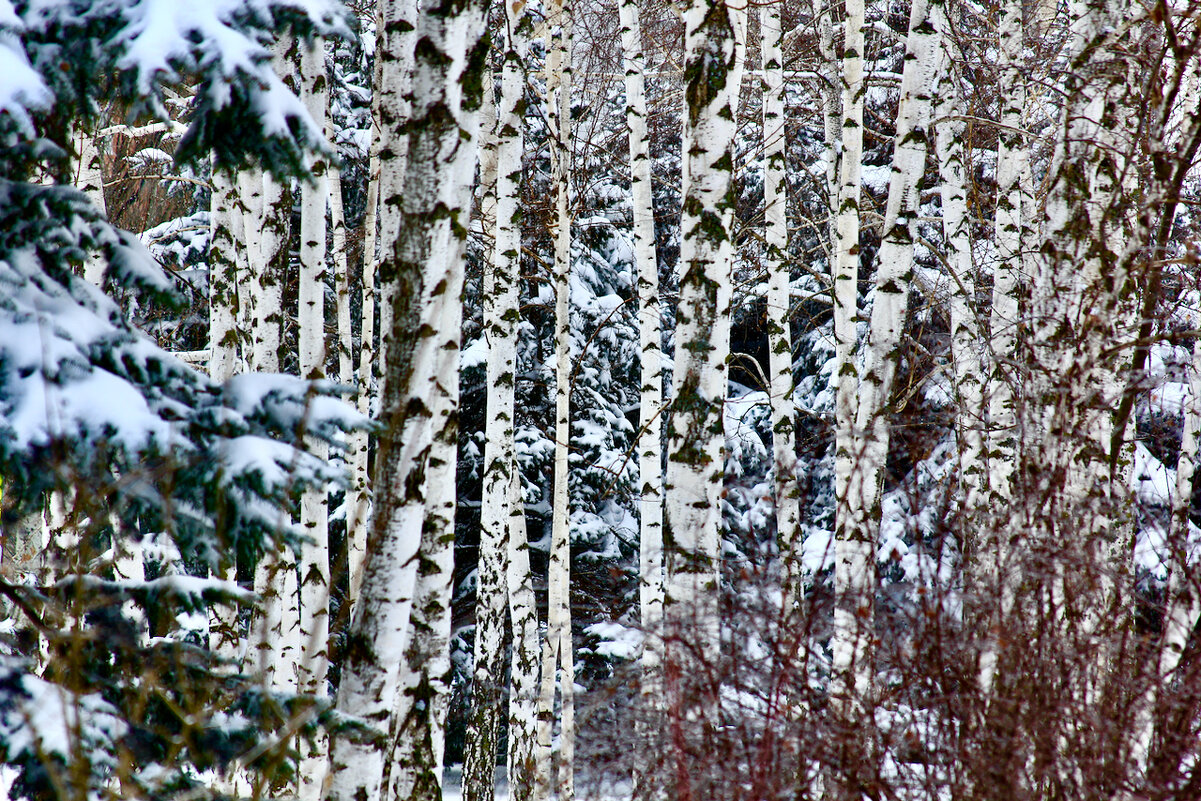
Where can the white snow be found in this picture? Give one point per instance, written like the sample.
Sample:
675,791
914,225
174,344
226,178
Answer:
22,89
1169,397
1150,480
617,641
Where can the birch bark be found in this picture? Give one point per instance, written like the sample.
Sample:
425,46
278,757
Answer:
314,510
419,722
501,319
523,670
424,262
650,443
558,668
89,179
894,273
1000,551
1183,595
395,40
223,350
965,332
369,366
779,300
695,428
853,559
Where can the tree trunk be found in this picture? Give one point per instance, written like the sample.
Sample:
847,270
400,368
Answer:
558,651
779,302
501,316
523,670
695,430
419,722
223,353
854,565
314,504
853,662
424,262
650,442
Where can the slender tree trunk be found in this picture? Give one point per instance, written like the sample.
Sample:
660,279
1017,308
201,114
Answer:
854,565
419,722
424,262
831,95
314,504
1000,551
855,618
965,332
501,316
395,39
650,442
523,615
779,301
369,370
558,651
695,430
89,179
223,351
267,228
1183,593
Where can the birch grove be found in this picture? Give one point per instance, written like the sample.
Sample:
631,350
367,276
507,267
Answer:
647,400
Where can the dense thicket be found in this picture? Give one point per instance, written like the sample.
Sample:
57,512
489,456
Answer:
807,395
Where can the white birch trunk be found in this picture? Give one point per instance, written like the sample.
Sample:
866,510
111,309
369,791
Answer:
894,274
695,428
1000,550
223,349
395,37
854,560
358,499
89,179
500,318
779,301
650,443
966,361
223,280
558,631
419,722
831,94
314,504
423,262
369,371
1183,594
523,670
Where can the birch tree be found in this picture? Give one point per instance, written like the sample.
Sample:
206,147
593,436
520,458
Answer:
853,563
424,261
558,667
223,343
779,301
314,504
265,204
500,317
854,616
88,178
1000,550
695,428
650,442
369,370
